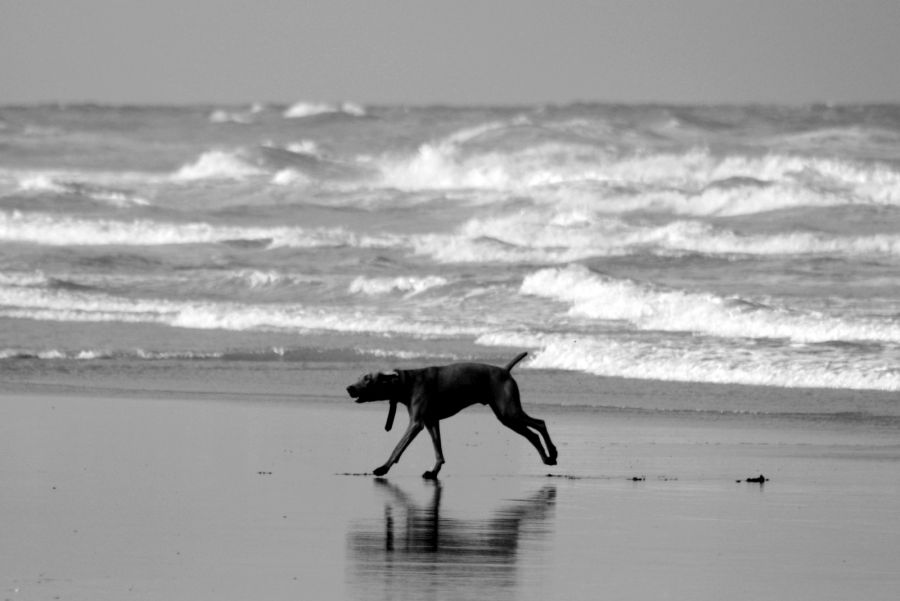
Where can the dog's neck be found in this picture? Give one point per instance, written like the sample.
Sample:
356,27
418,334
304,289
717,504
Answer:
399,391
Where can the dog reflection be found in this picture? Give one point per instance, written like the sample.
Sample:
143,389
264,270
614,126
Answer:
415,546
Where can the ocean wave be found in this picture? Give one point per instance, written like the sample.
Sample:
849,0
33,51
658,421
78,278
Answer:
243,117
261,279
408,285
694,181
565,236
734,197
217,164
546,237
41,183
406,355
92,307
53,230
101,354
710,363
301,109
446,166
303,162
646,307
24,279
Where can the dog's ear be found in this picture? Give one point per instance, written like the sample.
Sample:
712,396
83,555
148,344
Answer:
391,377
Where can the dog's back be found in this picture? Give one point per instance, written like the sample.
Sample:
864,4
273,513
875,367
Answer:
451,388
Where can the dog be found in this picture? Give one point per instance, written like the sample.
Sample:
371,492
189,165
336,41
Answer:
438,392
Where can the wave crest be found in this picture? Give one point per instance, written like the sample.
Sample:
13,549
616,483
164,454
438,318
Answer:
709,364
408,285
300,110
51,230
217,164
595,297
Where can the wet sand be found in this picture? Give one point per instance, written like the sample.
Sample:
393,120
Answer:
182,497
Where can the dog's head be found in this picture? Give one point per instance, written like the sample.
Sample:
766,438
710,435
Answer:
374,387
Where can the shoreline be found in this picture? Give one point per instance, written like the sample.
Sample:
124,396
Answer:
314,380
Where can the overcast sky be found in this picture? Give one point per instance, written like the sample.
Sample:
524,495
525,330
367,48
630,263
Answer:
449,51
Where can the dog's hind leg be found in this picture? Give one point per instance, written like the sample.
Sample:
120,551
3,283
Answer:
508,409
518,426
540,426
414,428
435,431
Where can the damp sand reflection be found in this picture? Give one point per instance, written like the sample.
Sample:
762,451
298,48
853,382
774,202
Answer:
428,544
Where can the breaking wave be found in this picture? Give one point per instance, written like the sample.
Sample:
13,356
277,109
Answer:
64,305
568,236
42,228
301,110
217,164
47,183
702,363
646,307
408,285
692,182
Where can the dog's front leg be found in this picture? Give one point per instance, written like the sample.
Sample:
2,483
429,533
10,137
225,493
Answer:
414,428
435,431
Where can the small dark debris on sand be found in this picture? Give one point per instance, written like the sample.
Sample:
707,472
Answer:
565,476
757,480
638,478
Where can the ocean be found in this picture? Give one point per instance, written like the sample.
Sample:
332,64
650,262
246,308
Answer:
738,245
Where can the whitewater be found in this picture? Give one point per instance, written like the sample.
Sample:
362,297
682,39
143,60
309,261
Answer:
740,245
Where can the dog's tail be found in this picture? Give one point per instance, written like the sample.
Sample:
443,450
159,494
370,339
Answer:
515,360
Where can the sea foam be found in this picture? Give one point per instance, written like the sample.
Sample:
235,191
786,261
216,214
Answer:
216,164
691,182
595,297
54,230
301,110
74,306
408,285
713,365
565,236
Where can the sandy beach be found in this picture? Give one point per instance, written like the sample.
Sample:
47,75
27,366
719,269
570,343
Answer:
193,495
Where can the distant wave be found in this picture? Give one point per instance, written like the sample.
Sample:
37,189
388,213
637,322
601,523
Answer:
217,164
690,182
472,164
42,183
301,110
94,354
74,306
53,230
261,279
241,117
568,236
525,236
409,285
595,297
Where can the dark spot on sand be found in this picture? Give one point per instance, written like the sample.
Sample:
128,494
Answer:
564,476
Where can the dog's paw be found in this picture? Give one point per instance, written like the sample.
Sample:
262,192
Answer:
380,471
430,475
550,461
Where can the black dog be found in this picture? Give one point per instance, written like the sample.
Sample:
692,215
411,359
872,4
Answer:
435,393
